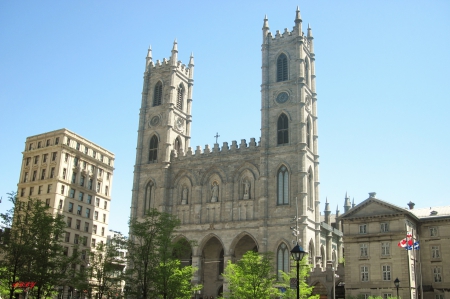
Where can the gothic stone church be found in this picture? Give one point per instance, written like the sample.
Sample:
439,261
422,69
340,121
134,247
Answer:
238,197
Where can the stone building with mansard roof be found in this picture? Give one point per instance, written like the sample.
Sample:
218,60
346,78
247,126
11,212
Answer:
236,197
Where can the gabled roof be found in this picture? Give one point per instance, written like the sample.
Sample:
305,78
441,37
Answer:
432,212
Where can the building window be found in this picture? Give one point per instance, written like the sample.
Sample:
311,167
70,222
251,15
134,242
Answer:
104,217
39,144
157,95
283,257
44,158
47,143
386,271
76,239
27,161
66,157
36,159
95,215
433,231
63,189
22,192
282,129
64,174
88,212
93,242
310,186
60,204
97,201
106,190
77,146
31,191
384,227
282,68
388,295
30,146
89,199
47,202
385,248
363,229
72,193
67,237
52,172
364,273
75,161
180,96
39,190
100,172
435,252
105,204
82,180
103,231
108,175
94,154
69,221
437,274
99,187
68,141
90,184
78,224
307,81
308,133
94,229
80,196
283,186
364,295
57,141
25,177
79,210
34,176
70,207
86,150
83,254
363,252
153,150
43,174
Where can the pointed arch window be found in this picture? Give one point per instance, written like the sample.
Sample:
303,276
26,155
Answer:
180,96
148,197
157,95
311,253
310,189
282,260
308,133
282,68
307,72
283,186
282,129
153,150
177,145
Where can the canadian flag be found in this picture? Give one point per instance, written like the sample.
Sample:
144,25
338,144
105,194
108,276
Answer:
408,241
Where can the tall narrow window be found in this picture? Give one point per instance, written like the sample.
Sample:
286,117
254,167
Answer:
282,68
148,196
153,150
180,96
283,186
364,273
386,270
308,133
283,255
310,189
307,78
283,129
158,94
177,145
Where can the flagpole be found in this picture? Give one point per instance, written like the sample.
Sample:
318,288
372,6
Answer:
421,278
415,269
407,259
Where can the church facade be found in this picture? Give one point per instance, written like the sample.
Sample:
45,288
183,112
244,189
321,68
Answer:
239,196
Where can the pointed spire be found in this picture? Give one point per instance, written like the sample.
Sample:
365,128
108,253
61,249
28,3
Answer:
337,209
149,52
346,195
174,57
327,205
191,59
266,23
175,45
353,203
298,17
309,34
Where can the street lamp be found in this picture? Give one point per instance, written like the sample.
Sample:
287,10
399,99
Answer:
397,284
297,254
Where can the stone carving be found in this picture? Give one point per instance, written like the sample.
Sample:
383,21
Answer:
184,199
246,189
215,192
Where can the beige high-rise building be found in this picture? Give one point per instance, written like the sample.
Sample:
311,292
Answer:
241,196
73,176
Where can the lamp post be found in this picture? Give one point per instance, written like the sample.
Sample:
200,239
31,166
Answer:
297,254
397,284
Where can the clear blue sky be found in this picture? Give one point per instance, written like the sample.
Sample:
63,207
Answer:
382,82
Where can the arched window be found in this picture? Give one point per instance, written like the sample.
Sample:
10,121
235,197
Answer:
157,96
308,133
180,96
283,129
153,151
282,260
283,186
307,71
177,145
282,68
148,197
311,253
310,189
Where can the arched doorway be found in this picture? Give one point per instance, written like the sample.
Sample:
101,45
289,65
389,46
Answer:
212,265
183,251
244,243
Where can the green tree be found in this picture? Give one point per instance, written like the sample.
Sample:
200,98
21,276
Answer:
32,250
105,270
251,277
305,289
153,267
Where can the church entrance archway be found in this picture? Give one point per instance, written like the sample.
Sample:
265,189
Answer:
212,267
244,243
183,251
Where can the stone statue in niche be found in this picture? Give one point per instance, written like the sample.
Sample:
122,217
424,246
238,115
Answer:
215,192
184,198
246,184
